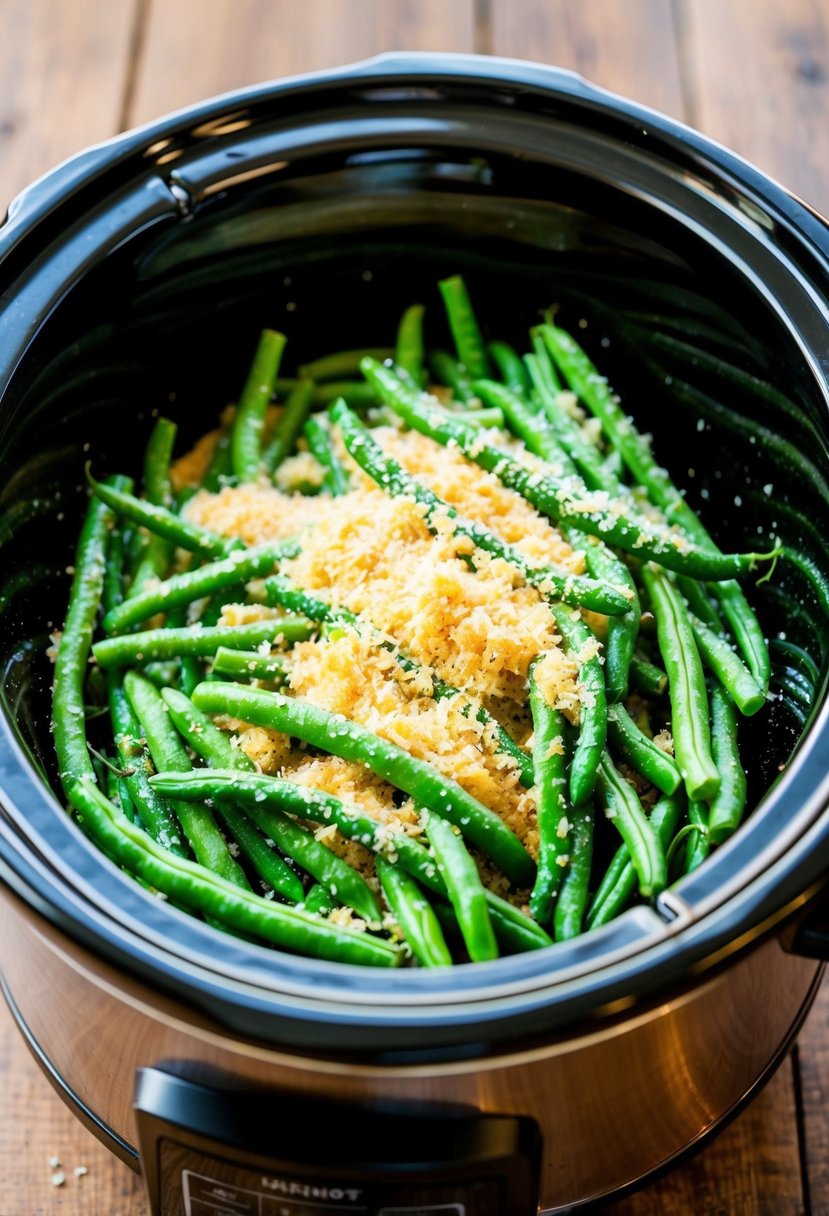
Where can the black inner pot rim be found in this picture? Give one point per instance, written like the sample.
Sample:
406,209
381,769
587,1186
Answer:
811,803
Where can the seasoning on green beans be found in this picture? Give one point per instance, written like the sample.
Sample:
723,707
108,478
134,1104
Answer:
410,766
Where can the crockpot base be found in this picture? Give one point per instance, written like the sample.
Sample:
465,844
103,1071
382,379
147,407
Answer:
658,1078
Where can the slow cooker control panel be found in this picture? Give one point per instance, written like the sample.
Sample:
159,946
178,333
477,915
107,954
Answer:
209,1151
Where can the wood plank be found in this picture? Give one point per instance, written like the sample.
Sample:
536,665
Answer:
757,76
63,74
814,1073
35,1126
196,48
628,48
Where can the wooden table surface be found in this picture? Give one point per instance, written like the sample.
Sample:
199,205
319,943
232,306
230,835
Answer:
754,74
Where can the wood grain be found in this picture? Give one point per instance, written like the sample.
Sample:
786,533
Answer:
195,48
628,48
814,1076
757,80
36,1126
63,73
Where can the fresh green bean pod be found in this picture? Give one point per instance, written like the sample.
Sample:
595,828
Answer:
265,861
157,554
343,363
698,844
466,332
289,426
619,883
168,753
248,665
338,736
623,808
727,666
249,421
318,438
191,885
408,350
318,900
571,905
640,752
449,372
580,644
647,678
514,930
152,644
414,914
71,663
162,522
621,631
728,805
154,812
511,367
466,891
689,699
553,810
185,588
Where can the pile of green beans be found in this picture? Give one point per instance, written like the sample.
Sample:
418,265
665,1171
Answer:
629,794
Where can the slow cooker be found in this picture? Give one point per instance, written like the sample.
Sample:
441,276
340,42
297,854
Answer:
244,1080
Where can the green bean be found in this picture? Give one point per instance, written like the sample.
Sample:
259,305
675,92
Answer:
569,912
623,808
449,372
156,816
466,332
512,928
390,476
647,678
188,883
641,753
157,489
698,844
288,427
248,665
356,392
541,373
339,736
168,753
318,437
466,891
594,391
418,923
700,602
586,457
342,363
617,887
343,883
552,805
720,659
268,864
510,367
249,421
542,355
621,631
728,804
163,675
408,351
580,644
529,426
561,499
240,566
220,469
68,721
152,644
164,523
318,900
689,700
